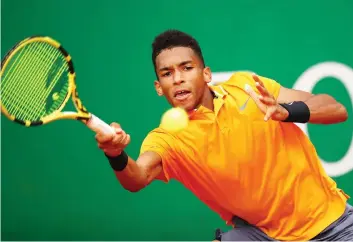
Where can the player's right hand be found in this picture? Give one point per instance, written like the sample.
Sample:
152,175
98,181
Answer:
113,145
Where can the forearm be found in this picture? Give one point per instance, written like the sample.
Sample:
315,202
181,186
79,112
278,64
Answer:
324,109
132,177
317,109
135,175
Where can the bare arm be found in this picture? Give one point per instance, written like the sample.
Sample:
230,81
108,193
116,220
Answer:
324,109
132,175
297,106
139,174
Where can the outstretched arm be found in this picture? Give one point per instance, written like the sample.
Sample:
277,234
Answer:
324,109
140,173
297,106
132,175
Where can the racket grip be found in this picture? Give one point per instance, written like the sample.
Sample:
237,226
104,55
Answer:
97,125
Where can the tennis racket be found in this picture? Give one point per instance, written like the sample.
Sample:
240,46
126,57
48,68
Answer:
37,80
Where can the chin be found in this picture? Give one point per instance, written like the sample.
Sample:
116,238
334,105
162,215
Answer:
187,106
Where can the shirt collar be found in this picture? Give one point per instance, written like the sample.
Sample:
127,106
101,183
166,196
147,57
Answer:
219,94
218,91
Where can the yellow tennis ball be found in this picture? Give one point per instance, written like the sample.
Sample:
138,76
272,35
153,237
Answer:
175,120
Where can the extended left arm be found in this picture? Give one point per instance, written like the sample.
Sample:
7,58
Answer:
324,109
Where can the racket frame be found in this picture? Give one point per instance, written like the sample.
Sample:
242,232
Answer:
81,112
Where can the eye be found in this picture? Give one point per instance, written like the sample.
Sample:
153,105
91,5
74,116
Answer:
166,74
187,68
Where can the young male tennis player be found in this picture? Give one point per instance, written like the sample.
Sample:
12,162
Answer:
241,154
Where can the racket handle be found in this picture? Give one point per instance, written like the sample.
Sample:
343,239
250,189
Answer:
97,125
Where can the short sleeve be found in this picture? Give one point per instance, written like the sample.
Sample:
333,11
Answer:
161,143
239,79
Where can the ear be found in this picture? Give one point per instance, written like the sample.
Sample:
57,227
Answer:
207,74
158,88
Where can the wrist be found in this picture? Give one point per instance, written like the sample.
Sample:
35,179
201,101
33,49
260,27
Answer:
298,112
285,112
113,153
118,162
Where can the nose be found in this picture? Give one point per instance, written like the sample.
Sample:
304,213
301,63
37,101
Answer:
178,78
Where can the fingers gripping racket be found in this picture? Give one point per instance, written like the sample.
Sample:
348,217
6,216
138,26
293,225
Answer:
37,80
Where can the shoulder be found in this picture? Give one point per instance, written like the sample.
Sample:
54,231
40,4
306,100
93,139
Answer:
158,136
166,145
160,141
239,80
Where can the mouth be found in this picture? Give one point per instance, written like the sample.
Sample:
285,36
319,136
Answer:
182,95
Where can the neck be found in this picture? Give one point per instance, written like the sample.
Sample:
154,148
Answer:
207,99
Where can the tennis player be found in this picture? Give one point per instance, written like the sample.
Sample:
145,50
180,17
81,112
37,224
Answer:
242,154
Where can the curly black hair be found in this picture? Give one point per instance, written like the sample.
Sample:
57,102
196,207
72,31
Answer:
174,38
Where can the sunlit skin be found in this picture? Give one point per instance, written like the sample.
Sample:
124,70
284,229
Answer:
180,69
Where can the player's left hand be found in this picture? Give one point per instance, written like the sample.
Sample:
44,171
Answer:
266,102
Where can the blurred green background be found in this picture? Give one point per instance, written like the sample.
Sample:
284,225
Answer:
57,185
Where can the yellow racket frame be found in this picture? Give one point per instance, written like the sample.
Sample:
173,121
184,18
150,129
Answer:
81,112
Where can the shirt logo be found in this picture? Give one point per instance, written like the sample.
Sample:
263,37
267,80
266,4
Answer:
242,107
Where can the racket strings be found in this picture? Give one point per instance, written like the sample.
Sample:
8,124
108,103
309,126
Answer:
30,89
61,98
12,69
42,90
29,79
62,94
23,84
37,96
13,63
12,82
25,62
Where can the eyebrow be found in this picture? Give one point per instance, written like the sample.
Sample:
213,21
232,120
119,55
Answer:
180,64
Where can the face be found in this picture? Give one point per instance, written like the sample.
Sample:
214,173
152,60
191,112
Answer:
181,77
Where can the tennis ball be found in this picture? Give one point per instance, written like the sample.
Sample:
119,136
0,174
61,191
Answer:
174,120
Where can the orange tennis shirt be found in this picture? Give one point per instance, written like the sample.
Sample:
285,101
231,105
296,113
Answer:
267,173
